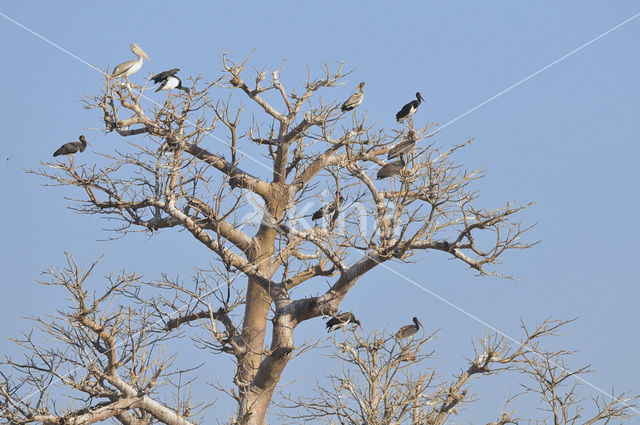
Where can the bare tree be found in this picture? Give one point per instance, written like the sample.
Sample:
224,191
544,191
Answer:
171,171
386,381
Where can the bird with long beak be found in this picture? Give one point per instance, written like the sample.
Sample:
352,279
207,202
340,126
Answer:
409,330
354,100
410,108
72,148
130,67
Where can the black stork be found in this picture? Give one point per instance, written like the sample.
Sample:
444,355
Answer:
409,330
391,169
328,209
410,108
72,148
130,67
354,100
341,320
169,80
403,148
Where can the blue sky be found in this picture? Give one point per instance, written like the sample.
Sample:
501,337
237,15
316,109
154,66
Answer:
565,139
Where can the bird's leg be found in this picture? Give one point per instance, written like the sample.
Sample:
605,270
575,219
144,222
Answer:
344,330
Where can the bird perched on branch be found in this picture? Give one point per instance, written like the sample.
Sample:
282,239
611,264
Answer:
410,108
409,330
72,148
130,67
328,209
403,148
391,169
341,320
169,80
354,100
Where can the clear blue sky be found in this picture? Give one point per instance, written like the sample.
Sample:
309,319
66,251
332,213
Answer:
566,139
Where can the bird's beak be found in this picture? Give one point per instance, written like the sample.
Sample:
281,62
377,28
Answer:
145,55
421,325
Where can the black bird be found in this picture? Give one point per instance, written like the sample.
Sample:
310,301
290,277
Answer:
169,81
354,100
341,320
405,147
72,148
409,330
328,209
410,108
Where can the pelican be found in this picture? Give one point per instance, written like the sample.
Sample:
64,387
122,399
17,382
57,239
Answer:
341,320
410,108
72,148
130,67
169,81
328,209
403,148
354,100
409,330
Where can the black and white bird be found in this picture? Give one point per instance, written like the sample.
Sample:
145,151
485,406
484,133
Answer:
72,148
410,108
168,80
329,209
409,330
354,100
130,67
403,148
341,320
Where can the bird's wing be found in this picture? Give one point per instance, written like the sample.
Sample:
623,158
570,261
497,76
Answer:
404,111
67,148
122,68
353,100
318,214
164,75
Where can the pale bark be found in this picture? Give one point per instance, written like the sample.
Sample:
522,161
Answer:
174,177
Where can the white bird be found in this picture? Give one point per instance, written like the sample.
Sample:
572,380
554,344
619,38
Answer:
130,67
